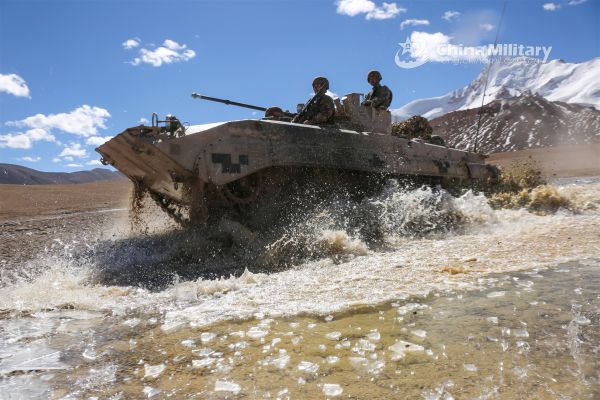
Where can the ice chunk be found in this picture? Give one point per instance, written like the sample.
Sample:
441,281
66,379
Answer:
376,367
153,371
207,336
523,346
520,333
411,307
492,295
332,389
470,367
364,345
203,363
420,333
30,359
226,386
582,320
401,348
151,392
374,335
332,359
334,335
256,333
203,352
279,362
358,362
492,320
308,367
188,343
520,373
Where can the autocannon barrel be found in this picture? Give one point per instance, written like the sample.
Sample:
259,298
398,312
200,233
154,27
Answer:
228,102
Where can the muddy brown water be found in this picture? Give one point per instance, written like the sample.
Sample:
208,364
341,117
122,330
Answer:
505,307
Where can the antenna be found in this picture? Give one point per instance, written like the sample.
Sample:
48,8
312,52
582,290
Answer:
487,73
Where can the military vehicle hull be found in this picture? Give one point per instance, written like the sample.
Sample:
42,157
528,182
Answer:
232,164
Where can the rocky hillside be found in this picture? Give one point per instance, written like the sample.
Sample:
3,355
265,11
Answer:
556,80
17,174
526,121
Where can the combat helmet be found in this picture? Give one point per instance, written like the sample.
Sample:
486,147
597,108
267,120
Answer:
322,81
375,73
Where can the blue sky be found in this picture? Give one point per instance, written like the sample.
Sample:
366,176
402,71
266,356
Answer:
67,79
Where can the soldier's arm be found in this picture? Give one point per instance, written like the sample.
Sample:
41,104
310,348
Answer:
383,98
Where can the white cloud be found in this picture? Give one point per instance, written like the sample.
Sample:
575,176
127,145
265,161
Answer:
576,2
93,162
73,150
143,121
73,165
168,53
450,15
68,158
353,8
131,43
56,160
83,121
97,140
413,22
25,140
386,11
173,45
30,159
551,6
437,47
487,27
14,84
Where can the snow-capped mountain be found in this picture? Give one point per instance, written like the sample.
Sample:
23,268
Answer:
527,121
556,80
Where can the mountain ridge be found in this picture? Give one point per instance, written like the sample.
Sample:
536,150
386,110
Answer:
20,175
555,80
523,122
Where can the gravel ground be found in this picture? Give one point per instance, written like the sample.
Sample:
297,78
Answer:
45,219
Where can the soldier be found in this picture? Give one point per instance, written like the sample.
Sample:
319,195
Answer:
320,109
380,96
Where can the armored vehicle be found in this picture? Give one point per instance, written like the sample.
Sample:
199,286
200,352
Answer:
194,172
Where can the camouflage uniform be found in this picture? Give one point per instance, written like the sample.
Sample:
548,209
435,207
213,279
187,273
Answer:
320,109
321,112
379,97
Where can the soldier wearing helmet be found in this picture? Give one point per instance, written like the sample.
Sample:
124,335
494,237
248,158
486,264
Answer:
320,109
380,96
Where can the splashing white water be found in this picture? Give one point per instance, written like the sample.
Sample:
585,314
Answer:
485,241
